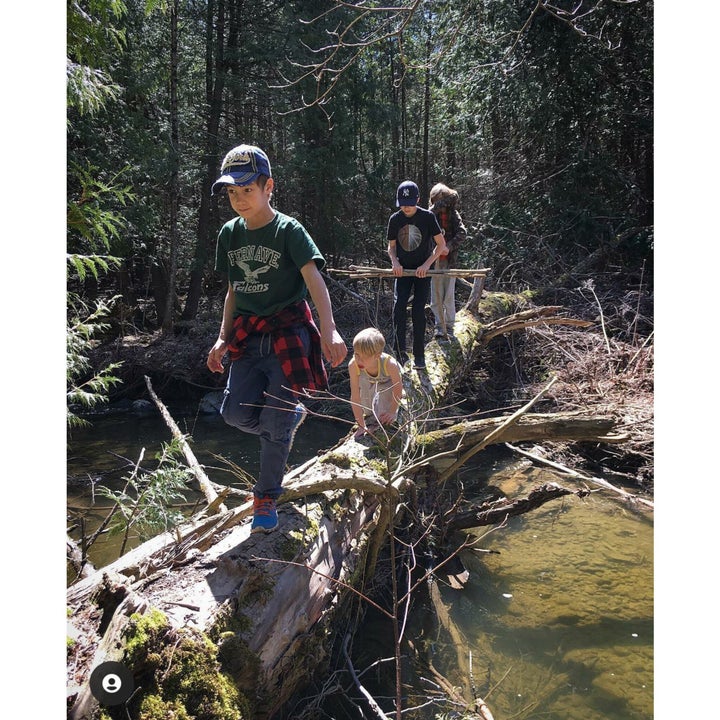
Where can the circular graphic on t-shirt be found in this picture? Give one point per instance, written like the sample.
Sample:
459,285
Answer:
409,238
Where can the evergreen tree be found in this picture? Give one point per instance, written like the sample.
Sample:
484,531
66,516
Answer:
92,223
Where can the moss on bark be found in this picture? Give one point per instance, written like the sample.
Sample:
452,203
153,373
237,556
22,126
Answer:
179,674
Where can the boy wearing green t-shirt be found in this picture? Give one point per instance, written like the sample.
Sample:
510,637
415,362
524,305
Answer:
267,327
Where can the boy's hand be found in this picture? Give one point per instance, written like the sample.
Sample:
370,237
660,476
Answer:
335,350
215,356
397,268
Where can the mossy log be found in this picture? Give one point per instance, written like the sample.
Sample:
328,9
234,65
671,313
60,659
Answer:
266,605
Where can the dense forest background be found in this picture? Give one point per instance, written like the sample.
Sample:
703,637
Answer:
539,114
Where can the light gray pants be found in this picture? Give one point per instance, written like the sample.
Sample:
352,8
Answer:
442,298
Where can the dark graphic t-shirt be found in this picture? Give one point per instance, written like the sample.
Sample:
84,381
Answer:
414,236
263,265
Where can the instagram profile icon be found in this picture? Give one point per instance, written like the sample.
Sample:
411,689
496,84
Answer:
111,683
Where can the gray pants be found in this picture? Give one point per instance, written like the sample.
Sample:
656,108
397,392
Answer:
442,299
257,401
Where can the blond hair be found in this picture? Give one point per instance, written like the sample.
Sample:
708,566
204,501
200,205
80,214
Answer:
369,341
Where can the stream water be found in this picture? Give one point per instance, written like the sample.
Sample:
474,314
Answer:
560,622
556,623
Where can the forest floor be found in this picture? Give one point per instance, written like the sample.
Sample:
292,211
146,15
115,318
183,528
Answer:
606,369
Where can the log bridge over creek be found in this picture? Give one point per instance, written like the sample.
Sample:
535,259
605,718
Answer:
261,611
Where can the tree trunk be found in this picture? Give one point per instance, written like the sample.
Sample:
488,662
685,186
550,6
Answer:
269,603
214,85
425,169
174,185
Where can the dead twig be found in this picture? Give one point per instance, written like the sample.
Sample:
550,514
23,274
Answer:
195,467
582,476
370,699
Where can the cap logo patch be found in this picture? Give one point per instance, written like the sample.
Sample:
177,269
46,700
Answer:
241,157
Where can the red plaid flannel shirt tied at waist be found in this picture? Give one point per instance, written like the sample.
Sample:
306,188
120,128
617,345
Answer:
303,371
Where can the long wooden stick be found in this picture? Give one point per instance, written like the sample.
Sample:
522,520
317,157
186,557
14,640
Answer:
200,476
359,271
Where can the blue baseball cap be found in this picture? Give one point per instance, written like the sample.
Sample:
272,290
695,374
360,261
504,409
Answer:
407,193
243,165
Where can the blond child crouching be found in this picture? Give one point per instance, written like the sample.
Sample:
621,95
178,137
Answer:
375,382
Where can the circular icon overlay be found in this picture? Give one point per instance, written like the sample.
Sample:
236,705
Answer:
111,683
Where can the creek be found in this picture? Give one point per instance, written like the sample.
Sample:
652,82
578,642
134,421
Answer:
556,621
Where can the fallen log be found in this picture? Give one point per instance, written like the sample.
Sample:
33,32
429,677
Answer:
584,477
213,564
497,511
573,426
484,317
267,605
350,467
119,603
528,318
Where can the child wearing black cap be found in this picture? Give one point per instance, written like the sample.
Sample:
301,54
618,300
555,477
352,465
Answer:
267,326
415,241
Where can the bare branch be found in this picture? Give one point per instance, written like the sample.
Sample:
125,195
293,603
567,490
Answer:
573,19
371,700
494,434
389,27
370,26
203,480
569,472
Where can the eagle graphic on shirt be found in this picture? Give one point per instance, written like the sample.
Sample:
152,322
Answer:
252,275
252,282
241,257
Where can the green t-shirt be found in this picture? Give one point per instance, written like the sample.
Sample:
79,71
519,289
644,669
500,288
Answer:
263,265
